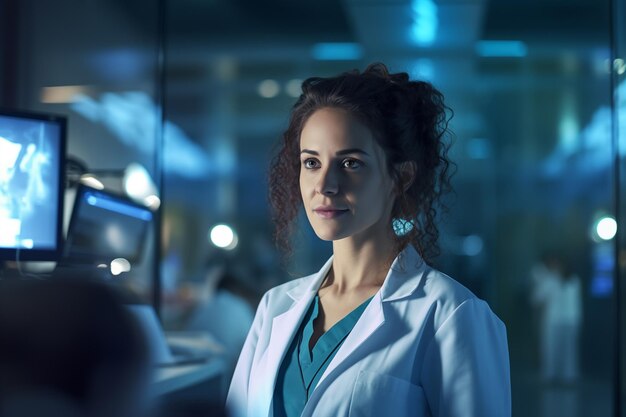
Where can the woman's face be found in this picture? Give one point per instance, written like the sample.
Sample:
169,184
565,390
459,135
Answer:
344,183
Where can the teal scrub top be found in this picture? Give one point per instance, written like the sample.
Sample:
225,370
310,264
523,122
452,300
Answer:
302,368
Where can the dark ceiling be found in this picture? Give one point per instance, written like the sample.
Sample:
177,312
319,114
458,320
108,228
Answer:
566,21
584,21
241,20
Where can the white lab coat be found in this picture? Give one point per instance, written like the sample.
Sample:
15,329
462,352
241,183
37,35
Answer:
424,346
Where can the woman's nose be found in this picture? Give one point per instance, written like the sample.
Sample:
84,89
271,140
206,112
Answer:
328,183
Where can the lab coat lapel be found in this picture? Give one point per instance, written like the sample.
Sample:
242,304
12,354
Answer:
401,281
284,327
372,319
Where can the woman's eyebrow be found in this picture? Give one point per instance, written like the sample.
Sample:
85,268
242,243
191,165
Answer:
341,152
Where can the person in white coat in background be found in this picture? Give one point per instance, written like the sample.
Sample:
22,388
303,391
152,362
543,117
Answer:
376,331
557,292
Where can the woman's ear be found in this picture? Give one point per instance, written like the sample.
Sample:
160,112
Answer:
407,171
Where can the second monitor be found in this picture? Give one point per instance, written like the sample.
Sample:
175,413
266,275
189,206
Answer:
105,226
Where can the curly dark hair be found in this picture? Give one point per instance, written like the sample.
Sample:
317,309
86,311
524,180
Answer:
409,121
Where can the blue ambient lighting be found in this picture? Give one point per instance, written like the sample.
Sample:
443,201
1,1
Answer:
425,22
516,49
116,206
337,51
424,69
478,148
132,117
601,285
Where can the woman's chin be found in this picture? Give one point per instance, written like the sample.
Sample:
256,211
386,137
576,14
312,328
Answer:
330,235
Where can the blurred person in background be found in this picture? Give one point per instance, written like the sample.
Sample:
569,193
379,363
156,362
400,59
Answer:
69,348
222,310
377,331
557,293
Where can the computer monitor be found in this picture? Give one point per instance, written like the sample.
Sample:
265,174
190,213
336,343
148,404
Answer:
105,226
32,176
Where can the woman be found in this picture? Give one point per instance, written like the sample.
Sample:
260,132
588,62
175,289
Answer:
376,331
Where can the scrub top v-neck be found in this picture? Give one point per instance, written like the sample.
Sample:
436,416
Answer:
302,368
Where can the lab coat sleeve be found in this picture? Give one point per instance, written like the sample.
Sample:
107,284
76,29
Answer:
466,365
237,399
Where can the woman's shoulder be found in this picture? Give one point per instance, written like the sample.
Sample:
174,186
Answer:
441,286
451,297
430,287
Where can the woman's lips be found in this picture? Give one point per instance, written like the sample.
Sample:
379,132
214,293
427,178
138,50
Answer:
330,214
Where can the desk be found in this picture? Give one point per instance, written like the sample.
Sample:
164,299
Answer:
175,378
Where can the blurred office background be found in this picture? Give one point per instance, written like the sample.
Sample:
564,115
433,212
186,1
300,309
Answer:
188,98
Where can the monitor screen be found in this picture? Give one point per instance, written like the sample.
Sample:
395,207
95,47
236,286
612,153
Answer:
32,168
105,226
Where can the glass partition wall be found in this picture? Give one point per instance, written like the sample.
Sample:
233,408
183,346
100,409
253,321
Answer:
534,186
530,86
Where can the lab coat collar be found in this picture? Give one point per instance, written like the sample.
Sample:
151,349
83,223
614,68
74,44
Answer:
404,276
401,281
307,286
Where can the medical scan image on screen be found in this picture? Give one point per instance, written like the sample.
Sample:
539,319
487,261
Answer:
29,183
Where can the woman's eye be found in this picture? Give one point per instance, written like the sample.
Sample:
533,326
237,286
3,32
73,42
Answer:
351,163
309,163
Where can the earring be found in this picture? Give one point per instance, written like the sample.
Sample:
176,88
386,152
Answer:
402,226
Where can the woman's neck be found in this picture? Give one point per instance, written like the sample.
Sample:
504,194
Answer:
359,265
